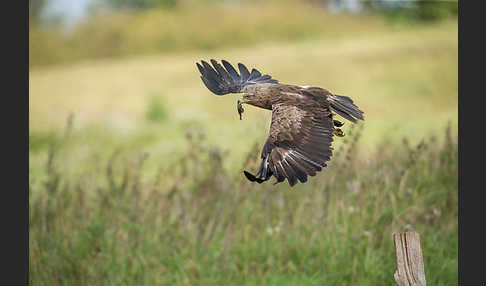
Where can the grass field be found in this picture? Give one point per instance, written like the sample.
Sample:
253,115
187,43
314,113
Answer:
405,81
135,167
209,226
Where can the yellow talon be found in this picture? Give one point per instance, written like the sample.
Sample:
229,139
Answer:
338,132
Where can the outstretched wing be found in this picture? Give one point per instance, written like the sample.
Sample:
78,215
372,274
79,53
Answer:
223,80
299,144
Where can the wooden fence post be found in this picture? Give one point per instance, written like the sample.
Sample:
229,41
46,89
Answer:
410,264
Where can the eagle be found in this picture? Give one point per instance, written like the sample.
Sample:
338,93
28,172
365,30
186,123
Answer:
302,125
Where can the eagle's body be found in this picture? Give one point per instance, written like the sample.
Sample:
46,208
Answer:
302,126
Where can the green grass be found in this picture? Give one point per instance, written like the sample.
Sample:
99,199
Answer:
142,184
208,226
156,110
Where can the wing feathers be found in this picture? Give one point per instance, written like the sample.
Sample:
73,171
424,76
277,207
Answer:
244,73
254,75
223,73
231,70
300,167
224,79
299,172
211,86
299,144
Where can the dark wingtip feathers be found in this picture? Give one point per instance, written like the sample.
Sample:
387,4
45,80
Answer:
252,178
224,79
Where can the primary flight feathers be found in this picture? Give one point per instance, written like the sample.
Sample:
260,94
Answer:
223,80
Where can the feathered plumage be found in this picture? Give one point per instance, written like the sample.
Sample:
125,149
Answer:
223,81
302,127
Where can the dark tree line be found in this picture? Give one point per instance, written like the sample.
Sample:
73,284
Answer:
414,9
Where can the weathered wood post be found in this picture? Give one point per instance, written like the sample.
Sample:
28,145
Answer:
410,264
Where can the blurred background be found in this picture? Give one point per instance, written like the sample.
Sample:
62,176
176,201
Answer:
135,167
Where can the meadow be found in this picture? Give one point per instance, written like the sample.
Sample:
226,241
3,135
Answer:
135,168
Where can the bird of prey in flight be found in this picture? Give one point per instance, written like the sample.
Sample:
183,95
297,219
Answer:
303,124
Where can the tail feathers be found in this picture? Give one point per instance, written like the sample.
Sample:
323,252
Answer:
345,107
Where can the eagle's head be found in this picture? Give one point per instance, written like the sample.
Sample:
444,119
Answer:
256,95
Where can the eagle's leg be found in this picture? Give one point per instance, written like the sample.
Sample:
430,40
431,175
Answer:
336,122
338,132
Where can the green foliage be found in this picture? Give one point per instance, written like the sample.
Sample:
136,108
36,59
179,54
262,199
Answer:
199,27
420,10
436,10
134,27
195,223
156,110
41,140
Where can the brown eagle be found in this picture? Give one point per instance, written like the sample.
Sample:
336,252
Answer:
302,126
